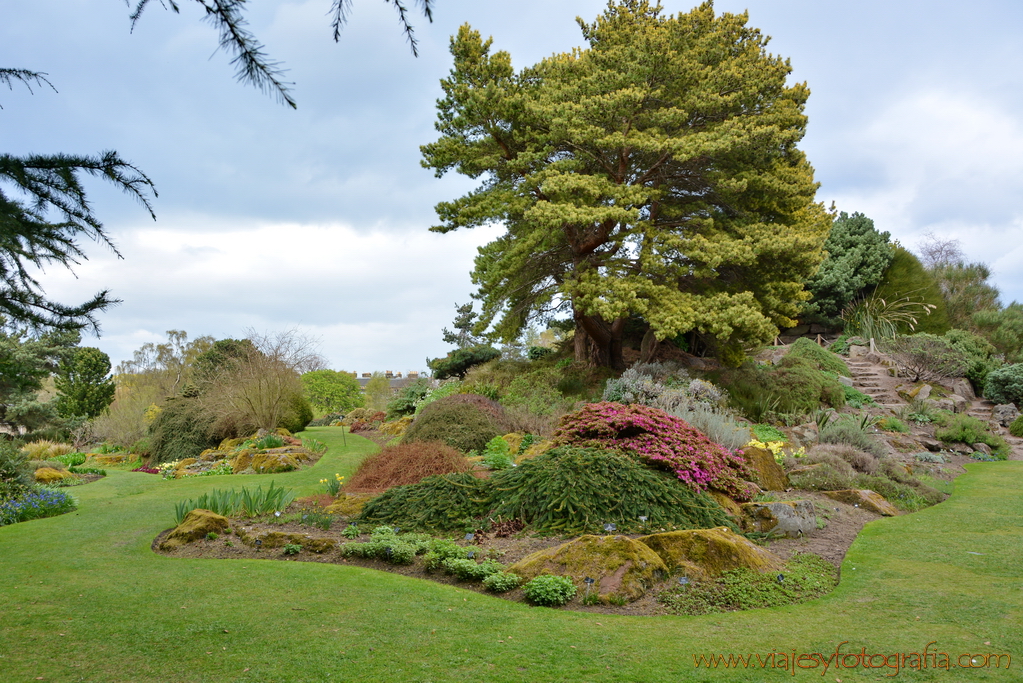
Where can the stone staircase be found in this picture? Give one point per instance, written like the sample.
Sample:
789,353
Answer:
871,379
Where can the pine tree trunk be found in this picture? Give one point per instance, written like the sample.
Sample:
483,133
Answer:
598,343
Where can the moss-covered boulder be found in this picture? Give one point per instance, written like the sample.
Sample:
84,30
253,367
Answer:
767,473
49,475
278,539
195,526
731,507
621,568
349,504
703,553
269,463
862,498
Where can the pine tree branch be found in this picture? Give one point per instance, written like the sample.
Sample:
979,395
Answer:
25,77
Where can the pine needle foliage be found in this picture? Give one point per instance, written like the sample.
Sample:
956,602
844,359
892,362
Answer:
440,502
579,490
566,490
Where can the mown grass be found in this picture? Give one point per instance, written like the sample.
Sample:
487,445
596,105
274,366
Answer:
83,598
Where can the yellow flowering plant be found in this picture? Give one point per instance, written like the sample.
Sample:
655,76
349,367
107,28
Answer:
777,449
333,485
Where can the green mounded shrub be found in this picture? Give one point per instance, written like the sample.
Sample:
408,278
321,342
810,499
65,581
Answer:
405,400
1005,385
579,490
1016,428
846,430
549,590
441,502
794,387
565,490
979,353
535,391
497,454
802,388
502,582
298,415
892,424
856,398
767,433
907,277
461,426
469,570
440,550
183,429
962,428
819,356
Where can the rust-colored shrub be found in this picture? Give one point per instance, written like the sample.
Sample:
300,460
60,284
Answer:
406,463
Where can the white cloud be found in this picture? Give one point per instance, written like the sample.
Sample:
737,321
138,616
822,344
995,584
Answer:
374,297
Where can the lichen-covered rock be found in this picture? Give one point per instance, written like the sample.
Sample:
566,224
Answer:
277,539
708,552
1004,414
862,498
621,568
194,527
730,506
48,475
349,504
242,461
767,473
790,518
269,463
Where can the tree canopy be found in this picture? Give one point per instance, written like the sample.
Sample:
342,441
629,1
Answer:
254,66
653,173
857,256
84,385
44,214
330,391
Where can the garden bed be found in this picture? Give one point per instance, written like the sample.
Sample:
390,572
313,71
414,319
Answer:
830,543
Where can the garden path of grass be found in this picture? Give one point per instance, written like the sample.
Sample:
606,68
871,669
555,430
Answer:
83,598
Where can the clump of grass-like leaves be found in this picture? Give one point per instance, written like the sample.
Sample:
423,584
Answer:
248,502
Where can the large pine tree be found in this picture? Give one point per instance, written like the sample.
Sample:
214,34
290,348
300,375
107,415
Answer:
653,173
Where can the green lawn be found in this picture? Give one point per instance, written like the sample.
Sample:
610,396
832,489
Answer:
83,598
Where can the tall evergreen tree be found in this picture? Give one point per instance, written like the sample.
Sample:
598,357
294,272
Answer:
653,173
83,382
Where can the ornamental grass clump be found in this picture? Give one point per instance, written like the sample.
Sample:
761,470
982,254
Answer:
661,440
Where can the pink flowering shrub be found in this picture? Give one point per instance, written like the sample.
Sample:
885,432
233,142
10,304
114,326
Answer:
661,440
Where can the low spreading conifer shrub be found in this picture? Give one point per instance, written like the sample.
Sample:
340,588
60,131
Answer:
565,490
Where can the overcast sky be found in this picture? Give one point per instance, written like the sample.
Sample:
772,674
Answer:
270,218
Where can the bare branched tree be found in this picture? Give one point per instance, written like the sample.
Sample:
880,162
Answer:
258,388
